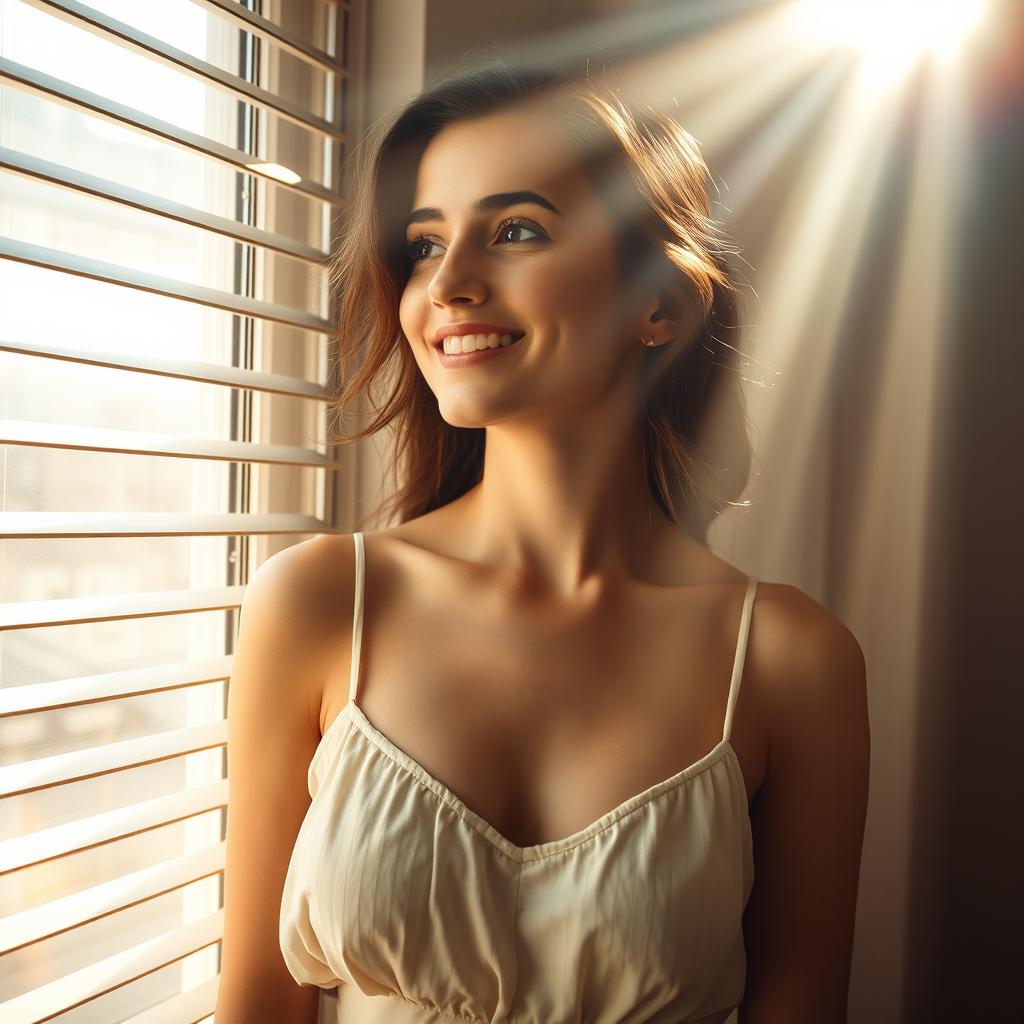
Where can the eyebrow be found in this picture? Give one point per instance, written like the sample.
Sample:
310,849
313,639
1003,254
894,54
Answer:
498,201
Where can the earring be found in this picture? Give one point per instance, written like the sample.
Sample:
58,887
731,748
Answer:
647,339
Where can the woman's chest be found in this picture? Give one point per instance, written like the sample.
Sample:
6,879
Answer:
543,723
641,911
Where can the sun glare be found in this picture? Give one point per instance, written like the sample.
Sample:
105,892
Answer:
890,36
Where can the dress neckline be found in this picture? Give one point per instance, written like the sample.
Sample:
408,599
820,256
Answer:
721,752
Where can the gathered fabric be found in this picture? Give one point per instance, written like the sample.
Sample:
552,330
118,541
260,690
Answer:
418,910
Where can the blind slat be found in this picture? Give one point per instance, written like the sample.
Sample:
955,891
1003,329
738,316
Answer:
184,369
133,682
152,524
25,77
113,273
106,758
109,28
90,904
79,181
132,442
98,829
266,29
191,1007
112,972
67,611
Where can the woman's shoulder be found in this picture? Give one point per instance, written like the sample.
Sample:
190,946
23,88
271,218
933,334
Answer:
300,576
796,630
303,595
795,644
804,661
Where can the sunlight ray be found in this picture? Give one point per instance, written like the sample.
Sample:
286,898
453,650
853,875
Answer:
808,267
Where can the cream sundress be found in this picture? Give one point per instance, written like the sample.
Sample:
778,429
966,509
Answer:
419,910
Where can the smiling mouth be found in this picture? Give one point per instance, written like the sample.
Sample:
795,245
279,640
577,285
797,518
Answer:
455,344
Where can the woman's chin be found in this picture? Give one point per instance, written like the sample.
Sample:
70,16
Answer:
468,414
465,420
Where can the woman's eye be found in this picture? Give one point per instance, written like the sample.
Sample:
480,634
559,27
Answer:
415,247
518,225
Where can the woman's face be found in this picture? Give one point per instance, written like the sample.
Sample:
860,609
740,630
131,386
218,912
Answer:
543,265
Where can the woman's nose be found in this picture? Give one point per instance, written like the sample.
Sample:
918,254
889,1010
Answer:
458,276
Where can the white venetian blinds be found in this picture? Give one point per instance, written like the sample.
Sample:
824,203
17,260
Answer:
170,180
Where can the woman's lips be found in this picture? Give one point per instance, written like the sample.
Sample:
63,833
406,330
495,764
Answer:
454,361
473,327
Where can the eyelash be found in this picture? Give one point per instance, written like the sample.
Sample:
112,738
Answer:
412,245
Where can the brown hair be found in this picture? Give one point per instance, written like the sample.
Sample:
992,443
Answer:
651,173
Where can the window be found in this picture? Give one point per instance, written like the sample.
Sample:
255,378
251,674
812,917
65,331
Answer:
170,179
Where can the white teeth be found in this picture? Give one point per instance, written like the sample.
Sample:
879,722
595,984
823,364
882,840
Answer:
455,344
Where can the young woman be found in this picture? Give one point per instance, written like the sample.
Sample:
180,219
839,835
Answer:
535,754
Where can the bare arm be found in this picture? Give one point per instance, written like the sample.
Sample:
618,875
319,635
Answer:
273,729
808,817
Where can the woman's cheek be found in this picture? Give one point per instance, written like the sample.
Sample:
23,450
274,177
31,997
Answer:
578,275
407,317
547,292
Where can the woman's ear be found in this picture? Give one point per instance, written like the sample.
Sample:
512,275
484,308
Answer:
668,318
682,312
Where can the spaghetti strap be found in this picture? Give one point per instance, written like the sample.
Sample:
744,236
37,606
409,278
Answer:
741,653
357,615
